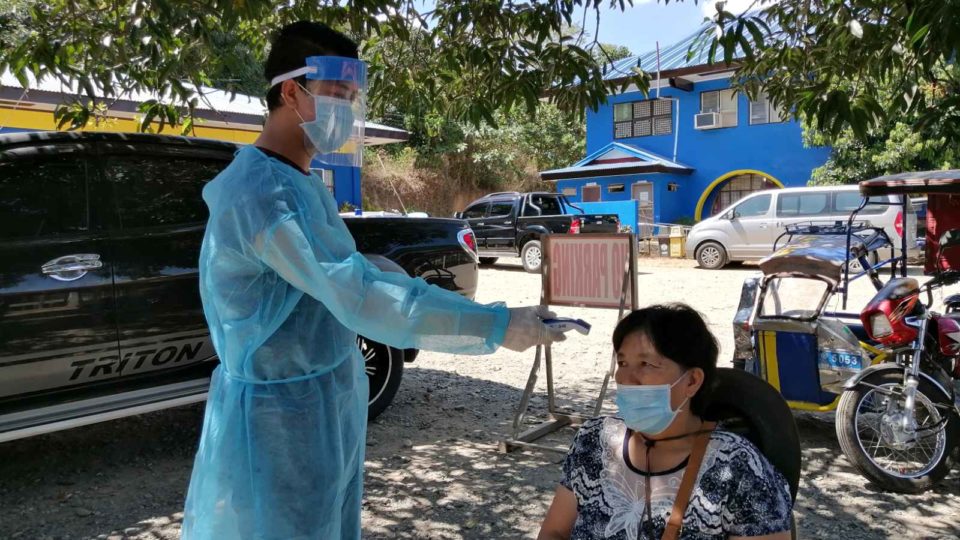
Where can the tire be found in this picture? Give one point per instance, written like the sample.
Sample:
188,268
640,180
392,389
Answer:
853,447
384,367
711,255
487,261
532,256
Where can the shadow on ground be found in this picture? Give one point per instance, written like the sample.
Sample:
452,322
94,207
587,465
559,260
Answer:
835,501
433,471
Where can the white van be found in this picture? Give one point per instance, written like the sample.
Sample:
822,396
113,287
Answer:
747,229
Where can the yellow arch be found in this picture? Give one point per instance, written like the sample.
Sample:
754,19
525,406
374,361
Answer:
698,213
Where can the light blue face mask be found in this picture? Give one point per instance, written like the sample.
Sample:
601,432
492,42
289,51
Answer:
332,124
645,408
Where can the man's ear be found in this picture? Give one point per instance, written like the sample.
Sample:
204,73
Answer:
289,91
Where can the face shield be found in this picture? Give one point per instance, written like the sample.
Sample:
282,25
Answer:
339,90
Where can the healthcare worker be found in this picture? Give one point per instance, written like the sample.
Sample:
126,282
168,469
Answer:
285,294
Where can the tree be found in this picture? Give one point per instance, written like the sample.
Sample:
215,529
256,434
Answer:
494,54
607,53
511,153
861,65
14,20
900,148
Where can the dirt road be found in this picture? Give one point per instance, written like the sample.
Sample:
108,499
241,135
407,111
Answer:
432,466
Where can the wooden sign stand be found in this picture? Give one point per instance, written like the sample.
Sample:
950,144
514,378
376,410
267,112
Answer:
557,419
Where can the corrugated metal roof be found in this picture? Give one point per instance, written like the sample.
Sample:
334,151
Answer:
691,51
613,167
215,100
646,162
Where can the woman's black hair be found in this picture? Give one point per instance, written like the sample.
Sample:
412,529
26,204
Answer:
679,333
294,43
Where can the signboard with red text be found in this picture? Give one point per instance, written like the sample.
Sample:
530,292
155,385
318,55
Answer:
587,270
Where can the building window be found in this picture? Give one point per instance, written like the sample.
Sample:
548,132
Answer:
642,118
737,188
570,191
763,111
615,188
723,102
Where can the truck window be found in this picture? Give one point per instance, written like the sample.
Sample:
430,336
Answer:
547,204
500,209
159,191
43,198
802,204
476,211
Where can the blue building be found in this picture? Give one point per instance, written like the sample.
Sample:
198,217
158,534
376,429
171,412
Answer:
688,149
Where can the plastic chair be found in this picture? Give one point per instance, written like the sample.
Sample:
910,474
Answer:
748,406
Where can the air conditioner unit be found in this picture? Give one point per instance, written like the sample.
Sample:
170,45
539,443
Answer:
709,120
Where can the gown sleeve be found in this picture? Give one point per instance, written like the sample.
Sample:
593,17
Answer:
388,307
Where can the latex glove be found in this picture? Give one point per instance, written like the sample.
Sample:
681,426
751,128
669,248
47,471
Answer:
526,328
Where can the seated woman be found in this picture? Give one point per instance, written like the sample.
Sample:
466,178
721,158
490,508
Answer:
622,474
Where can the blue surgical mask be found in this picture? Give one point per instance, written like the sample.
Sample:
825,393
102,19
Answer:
332,124
646,408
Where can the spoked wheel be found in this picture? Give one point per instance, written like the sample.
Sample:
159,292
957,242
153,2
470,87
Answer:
384,368
899,452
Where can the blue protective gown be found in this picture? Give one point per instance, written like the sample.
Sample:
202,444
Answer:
285,294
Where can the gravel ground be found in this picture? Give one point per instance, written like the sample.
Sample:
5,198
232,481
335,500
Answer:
433,470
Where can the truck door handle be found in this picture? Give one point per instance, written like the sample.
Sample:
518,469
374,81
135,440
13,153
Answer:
481,223
71,267
508,223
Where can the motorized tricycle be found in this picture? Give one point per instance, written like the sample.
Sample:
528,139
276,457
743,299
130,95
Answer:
898,421
784,333
890,372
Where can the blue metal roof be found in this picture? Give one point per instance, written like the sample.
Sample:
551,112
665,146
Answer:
647,162
691,51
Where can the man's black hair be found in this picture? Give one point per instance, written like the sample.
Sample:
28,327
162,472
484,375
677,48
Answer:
294,43
679,333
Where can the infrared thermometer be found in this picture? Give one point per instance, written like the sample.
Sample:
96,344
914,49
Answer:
565,324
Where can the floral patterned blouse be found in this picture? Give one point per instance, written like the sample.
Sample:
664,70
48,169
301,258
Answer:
738,492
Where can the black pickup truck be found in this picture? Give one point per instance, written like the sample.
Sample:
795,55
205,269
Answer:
100,312
510,224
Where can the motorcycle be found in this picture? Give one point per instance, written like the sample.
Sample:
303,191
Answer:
898,422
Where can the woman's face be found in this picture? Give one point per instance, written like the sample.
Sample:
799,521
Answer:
638,362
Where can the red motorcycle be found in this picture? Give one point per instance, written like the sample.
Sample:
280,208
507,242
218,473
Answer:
899,422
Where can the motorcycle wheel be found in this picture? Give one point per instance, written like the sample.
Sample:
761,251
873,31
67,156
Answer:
867,440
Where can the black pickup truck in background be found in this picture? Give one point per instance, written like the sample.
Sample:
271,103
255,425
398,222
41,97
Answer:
100,312
510,224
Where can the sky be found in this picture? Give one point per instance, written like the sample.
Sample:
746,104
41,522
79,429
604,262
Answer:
640,27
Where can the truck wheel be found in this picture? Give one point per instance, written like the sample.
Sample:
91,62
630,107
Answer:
384,367
532,256
711,255
487,261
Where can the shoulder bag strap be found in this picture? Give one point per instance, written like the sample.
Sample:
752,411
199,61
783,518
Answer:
675,523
